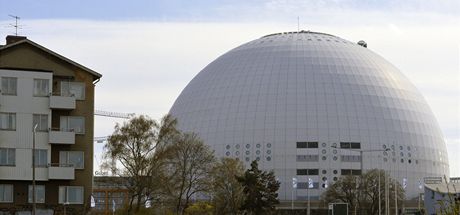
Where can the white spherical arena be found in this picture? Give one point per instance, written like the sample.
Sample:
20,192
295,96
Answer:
288,99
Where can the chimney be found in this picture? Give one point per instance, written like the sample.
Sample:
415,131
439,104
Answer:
13,39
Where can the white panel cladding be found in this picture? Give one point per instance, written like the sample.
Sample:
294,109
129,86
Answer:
62,137
61,173
286,88
62,102
24,105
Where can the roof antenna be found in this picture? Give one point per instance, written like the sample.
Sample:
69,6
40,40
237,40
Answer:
16,26
298,25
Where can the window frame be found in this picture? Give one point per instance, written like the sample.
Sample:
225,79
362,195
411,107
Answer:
8,151
11,127
67,161
40,158
67,127
29,197
5,91
40,126
39,82
66,196
2,195
68,91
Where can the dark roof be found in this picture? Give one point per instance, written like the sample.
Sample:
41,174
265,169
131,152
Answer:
94,73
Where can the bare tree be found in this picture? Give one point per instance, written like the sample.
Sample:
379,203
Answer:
187,171
227,192
362,193
134,146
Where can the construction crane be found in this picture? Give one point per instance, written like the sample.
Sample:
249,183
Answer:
113,114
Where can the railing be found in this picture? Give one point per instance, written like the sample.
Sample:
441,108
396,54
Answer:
60,165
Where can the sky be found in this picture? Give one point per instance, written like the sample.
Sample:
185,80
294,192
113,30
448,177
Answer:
149,50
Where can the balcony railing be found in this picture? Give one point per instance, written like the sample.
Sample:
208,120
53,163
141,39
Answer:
57,171
57,136
62,101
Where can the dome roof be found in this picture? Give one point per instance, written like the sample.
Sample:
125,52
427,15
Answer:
259,100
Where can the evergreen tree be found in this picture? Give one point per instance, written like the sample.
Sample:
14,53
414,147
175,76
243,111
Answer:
260,191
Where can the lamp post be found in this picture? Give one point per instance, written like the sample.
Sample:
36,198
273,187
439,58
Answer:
361,162
34,206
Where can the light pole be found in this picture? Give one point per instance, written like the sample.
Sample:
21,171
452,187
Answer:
361,163
34,206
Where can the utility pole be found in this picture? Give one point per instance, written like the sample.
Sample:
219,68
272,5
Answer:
34,206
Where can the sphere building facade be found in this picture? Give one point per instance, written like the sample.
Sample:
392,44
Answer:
304,104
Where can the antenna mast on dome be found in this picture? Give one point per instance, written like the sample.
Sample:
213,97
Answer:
16,26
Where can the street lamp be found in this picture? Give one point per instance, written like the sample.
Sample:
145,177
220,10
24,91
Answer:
34,206
361,163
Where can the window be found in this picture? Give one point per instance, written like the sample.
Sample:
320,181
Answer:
301,145
42,121
350,158
76,158
307,158
39,194
307,171
76,89
9,86
41,159
348,145
7,121
350,172
6,193
41,87
71,194
73,123
7,157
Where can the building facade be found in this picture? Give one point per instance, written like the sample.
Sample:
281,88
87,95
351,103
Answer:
42,89
305,104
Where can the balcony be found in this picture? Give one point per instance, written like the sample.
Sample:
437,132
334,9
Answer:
61,172
58,101
61,137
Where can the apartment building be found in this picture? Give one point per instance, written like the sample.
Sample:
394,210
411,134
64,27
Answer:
42,89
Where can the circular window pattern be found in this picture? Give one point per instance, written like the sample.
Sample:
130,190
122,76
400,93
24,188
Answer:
385,153
323,158
269,145
237,146
247,159
258,152
334,151
409,161
227,147
269,158
324,144
269,151
248,146
323,151
258,158
402,154
247,152
335,158
334,144
384,146
237,153
408,148
258,145
335,171
392,147
324,178
401,148
324,171
402,160
335,178
227,153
